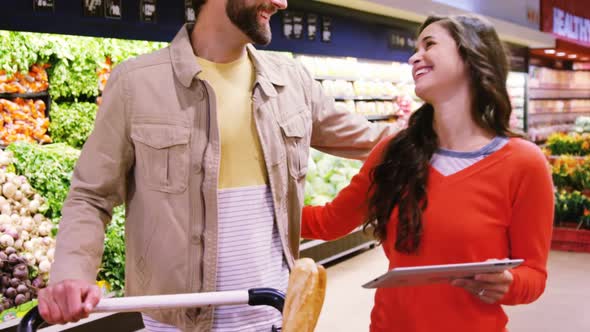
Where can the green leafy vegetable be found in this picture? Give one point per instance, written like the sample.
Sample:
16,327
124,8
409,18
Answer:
113,260
72,123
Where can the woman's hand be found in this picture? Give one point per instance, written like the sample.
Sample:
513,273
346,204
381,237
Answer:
488,287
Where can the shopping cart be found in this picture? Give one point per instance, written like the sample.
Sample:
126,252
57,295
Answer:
254,297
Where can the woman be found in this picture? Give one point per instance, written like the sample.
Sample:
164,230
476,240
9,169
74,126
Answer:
456,186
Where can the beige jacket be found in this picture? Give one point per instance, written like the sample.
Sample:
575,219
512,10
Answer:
155,147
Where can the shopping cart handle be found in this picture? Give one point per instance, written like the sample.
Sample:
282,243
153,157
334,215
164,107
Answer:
255,297
31,321
267,296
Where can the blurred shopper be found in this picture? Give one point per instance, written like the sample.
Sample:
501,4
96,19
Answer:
456,186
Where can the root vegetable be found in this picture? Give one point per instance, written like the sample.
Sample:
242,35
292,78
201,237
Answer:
30,258
21,271
14,282
38,282
18,244
18,195
26,189
20,299
24,235
17,181
22,288
5,219
5,281
28,246
34,206
51,253
9,189
13,259
9,251
10,292
38,218
44,266
6,240
6,210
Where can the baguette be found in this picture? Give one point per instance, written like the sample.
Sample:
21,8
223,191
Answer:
305,296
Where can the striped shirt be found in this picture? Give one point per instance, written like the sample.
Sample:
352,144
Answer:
449,162
249,256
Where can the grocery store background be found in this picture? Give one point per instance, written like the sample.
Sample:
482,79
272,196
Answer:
50,89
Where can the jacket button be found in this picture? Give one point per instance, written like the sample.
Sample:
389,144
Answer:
196,239
201,92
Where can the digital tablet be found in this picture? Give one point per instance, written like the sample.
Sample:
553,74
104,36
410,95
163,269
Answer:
431,274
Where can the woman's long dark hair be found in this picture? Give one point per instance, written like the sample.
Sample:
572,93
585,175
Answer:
401,179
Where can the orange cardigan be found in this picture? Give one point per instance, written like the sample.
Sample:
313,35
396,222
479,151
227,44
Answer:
502,206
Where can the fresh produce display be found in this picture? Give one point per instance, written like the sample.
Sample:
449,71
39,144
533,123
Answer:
32,82
572,207
104,71
72,123
326,176
23,120
26,243
75,61
582,125
568,144
48,168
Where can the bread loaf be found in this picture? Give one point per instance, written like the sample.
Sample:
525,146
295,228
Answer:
305,296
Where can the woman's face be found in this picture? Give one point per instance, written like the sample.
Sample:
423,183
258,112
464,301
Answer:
437,66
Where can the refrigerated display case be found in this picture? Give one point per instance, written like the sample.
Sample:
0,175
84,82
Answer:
556,99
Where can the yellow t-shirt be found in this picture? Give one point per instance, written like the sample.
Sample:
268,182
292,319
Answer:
242,162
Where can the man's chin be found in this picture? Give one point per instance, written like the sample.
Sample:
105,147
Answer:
261,40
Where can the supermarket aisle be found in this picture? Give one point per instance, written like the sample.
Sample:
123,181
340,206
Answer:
561,308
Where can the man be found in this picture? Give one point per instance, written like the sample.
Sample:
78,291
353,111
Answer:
209,154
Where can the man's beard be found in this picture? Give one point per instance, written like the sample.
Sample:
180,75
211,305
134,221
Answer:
246,19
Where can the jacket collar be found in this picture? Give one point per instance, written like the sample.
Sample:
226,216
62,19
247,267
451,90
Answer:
186,67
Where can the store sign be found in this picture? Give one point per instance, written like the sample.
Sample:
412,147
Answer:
113,9
571,26
93,8
189,12
147,10
312,26
44,5
398,40
326,29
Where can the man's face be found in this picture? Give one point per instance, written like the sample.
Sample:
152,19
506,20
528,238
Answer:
253,17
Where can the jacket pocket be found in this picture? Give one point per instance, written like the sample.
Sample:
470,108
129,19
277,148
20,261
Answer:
297,146
162,156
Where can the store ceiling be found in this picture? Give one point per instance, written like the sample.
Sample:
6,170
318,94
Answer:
418,10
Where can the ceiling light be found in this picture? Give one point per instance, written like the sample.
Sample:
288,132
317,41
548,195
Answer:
560,54
572,56
549,51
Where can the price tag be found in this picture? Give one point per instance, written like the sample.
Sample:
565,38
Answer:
44,5
147,11
113,9
312,26
189,12
93,8
326,29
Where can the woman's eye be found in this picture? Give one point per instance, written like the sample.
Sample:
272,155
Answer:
428,44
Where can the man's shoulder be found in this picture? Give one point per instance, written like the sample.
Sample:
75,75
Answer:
144,61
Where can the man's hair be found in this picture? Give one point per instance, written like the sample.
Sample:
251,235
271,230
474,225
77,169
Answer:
197,4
